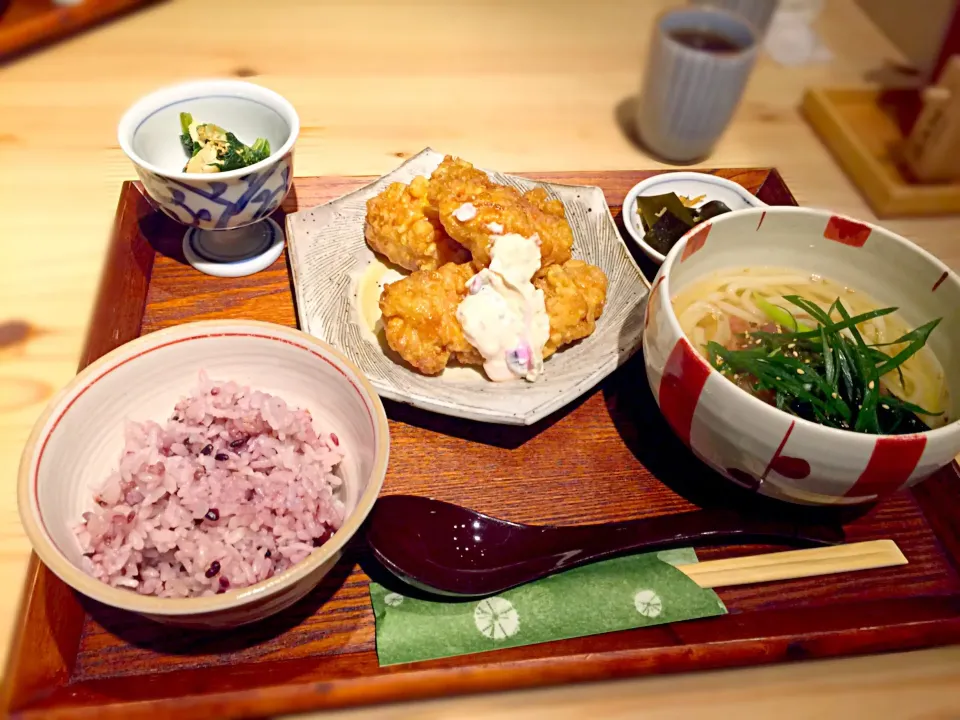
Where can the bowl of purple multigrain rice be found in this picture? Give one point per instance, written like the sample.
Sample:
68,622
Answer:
206,475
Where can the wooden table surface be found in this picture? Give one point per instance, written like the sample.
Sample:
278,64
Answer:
520,85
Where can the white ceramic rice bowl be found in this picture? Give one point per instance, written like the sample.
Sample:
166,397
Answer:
78,439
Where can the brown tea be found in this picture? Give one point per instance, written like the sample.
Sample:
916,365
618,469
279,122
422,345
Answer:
705,40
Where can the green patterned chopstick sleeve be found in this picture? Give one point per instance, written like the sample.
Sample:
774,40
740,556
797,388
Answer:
618,594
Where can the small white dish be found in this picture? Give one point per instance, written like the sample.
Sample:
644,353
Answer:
687,184
229,232
335,271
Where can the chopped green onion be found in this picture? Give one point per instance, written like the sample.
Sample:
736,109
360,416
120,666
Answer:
828,373
779,315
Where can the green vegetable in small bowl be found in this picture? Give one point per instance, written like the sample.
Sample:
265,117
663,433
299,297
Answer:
212,149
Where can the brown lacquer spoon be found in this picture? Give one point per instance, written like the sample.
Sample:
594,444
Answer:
451,550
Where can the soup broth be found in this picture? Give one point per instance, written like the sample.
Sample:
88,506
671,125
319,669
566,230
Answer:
744,310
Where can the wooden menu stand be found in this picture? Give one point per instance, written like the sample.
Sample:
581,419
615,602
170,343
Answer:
900,147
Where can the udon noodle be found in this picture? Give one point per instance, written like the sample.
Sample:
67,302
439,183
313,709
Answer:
723,307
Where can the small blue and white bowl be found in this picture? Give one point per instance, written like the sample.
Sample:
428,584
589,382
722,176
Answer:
686,184
223,210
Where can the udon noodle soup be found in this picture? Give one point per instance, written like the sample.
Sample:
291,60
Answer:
816,349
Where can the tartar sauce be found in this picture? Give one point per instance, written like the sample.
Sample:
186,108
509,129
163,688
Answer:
466,212
504,316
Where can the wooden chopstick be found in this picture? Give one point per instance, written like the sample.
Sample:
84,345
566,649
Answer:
794,564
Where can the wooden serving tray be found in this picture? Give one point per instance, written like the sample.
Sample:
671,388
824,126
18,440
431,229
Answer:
609,456
27,24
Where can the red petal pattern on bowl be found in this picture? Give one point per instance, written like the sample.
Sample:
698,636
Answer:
696,241
939,282
893,460
653,302
846,232
791,467
684,376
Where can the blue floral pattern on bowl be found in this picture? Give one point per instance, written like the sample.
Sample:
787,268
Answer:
211,204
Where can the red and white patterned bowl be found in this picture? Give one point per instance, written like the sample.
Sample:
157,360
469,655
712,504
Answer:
753,443
78,439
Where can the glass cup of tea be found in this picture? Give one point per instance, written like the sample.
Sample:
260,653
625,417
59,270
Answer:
699,62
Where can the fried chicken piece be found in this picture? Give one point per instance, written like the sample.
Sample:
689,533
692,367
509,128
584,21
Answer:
473,209
574,294
538,196
420,312
400,225
452,174
420,318
552,227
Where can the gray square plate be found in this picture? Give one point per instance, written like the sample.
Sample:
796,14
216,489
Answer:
331,265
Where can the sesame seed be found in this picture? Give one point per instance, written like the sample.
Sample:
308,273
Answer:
870,385
885,406
792,345
799,371
833,395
